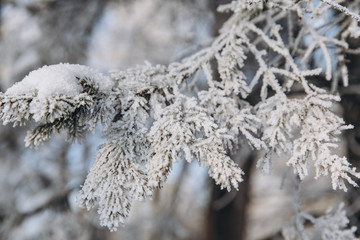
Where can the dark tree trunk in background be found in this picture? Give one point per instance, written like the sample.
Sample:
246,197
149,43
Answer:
350,101
226,216
227,210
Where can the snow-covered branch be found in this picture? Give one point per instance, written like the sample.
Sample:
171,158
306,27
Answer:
149,122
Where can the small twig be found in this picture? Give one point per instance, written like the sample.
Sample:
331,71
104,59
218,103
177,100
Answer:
342,9
285,175
298,213
353,90
353,144
353,51
176,190
298,216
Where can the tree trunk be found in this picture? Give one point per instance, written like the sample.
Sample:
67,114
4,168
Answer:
226,216
227,210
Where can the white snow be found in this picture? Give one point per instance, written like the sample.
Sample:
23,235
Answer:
59,79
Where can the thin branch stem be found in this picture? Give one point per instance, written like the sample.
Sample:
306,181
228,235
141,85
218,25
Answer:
342,9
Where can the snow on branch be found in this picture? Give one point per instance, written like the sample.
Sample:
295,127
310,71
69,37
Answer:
59,97
342,9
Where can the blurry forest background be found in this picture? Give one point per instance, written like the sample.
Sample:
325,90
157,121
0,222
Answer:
38,187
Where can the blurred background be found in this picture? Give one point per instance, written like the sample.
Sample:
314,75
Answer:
39,187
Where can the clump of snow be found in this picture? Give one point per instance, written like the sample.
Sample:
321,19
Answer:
59,79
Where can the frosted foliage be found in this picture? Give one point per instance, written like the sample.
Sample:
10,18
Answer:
227,115
313,130
118,176
184,131
149,121
113,183
331,226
